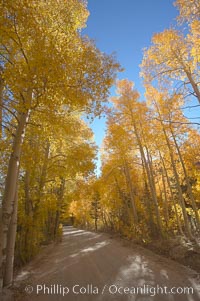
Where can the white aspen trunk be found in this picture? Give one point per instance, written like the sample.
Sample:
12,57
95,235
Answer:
60,198
131,190
150,180
1,100
148,169
193,84
27,206
166,210
11,182
152,184
190,77
28,211
10,250
121,194
171,193
178,186
189,188
44,170
163,200
181,200
1,270
104,220
11,185
147,201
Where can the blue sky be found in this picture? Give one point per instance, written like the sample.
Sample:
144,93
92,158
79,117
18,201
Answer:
126,28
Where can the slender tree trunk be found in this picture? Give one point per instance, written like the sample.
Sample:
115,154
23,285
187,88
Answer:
96,222
11,185
147,202
165,201
178,186
153,187
43,175
189,188
149,171
28,207
121,195
193,84
44,169
181,199
131,191
104,220
29,215
11,182
59,205
172,196
189,76
1,247
1,100
125,214
10,250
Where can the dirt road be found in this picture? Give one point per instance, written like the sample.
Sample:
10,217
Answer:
90,266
